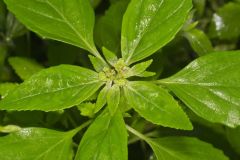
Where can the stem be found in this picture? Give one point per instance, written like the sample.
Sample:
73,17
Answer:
84,125
135,139
136,133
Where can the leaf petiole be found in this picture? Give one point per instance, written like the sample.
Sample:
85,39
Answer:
136,133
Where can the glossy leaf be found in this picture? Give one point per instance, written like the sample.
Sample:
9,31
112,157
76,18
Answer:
5,88
184,148
156,105
58,87
24,67
210,87
138,69
37,143
225,24
106,139
199,42
108,27
59,20
148,25
113,99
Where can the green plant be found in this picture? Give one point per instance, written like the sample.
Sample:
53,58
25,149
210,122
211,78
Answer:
120,85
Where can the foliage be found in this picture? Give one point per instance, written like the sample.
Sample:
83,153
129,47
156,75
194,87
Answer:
135,72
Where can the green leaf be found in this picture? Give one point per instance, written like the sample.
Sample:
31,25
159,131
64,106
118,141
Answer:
3,13
87,109
59,20
113,99
37,143
148,25
24,67
98,65
156,105
184,148
108,27
58,87
105,139
210,87
233,138
9,128
138,69
199,41
3,53
225,24
5,88
102,98
110,56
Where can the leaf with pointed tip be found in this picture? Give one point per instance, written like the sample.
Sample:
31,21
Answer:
210,87
113,99
138,69
148,25
105,139
98,65
37,143
24,67
110,56
59,20
199,41
184,148
156,105
101,99
58,87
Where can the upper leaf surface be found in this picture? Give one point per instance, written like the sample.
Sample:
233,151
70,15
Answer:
184,148
105,139
210,87
69,21
24,67
52,89
36,143
156,105
150,24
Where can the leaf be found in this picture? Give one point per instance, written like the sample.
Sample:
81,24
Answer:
138,69
105,139
87,109
110,56
24,67
225,24
5,88
148,25
184,148
37,143
9,128
113,99
58,87
101,99
210,87
199,42
156,105
233,138
108,27
59,20
98,65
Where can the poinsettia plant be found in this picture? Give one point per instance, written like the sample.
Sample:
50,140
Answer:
119,84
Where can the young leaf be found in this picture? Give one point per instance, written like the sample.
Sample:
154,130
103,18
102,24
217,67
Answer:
24,67
101,99
59,20
110,56
105,139
37,143
98,65
138,69
113,99
156,105
58,87
5,88
210,87
184,148
199,41
150,24
87,109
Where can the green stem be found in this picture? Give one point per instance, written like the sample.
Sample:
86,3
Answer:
135,139
82,126
136,133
